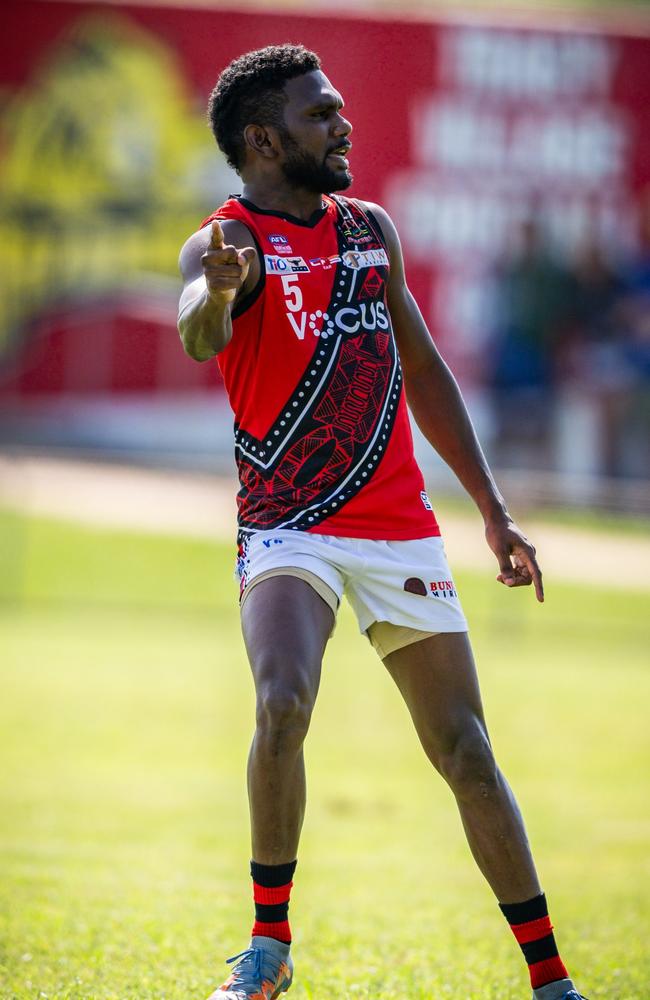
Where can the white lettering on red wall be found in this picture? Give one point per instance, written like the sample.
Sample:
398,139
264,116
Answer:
519,122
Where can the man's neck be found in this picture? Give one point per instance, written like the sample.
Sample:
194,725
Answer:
283,200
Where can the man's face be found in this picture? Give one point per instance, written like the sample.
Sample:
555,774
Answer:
315,139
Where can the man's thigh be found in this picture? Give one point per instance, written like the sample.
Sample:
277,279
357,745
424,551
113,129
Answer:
286,624
438,681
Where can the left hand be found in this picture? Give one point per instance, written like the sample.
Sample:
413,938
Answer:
515,555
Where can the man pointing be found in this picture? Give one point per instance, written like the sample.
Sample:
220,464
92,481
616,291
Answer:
301,294
224,273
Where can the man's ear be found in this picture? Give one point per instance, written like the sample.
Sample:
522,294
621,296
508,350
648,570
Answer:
261,140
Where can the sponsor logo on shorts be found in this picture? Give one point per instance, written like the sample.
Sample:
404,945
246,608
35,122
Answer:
436,588
268,542
425,500
284,265
242,564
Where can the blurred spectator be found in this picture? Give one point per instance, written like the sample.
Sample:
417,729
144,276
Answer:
609,355
637,271
584,330
535,304
632,315
597,289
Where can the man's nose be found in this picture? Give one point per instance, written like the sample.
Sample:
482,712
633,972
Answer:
343,126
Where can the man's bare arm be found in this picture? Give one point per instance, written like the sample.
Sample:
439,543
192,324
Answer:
215,274
440,412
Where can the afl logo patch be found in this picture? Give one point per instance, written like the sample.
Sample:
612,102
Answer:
280,243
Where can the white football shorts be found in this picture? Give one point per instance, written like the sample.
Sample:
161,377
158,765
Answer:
400,591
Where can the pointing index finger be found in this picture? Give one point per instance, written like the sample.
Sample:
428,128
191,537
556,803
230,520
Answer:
533,568
217,238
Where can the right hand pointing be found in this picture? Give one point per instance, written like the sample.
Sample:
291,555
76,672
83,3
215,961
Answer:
225,267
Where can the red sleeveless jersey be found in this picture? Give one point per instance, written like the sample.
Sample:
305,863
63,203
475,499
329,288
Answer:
322,436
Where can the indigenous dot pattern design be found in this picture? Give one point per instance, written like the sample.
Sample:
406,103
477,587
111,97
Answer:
331,434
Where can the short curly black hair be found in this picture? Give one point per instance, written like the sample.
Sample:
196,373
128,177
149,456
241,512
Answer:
250,90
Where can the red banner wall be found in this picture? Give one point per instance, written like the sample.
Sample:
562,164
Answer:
461,130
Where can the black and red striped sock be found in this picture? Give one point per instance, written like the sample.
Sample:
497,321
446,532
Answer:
531,925
271,891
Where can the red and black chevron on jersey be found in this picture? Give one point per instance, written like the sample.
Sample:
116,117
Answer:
322,436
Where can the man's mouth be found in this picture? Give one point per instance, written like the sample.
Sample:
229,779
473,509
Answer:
339,154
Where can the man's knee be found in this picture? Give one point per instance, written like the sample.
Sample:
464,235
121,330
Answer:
284,708
468,766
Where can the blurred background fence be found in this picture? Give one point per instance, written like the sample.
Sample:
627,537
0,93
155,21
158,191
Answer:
512,151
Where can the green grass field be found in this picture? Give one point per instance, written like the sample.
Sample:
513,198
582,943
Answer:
125,718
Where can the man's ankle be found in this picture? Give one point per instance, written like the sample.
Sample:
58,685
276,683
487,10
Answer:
553,991
272,886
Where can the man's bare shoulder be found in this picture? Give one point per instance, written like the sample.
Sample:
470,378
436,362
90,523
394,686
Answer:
373,208
383,219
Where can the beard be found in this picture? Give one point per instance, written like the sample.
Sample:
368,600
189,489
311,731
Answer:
303,170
